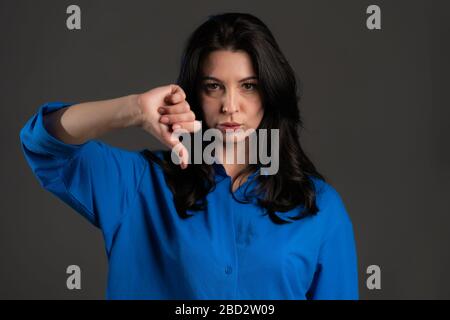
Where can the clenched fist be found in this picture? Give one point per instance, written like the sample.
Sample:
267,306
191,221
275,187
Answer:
165,110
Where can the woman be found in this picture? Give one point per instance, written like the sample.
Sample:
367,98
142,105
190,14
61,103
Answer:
202,231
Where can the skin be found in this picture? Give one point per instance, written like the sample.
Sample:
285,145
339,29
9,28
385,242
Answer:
226,97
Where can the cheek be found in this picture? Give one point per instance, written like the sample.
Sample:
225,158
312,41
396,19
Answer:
257,112
211,109
208,118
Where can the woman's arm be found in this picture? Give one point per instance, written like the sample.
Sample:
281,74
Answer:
97,180
89,120
81,122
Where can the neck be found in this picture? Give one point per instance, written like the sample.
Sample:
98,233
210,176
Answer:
234,157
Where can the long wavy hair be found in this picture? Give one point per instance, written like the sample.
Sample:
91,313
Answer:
292,186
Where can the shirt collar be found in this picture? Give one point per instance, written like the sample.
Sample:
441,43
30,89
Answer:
220,174
219,171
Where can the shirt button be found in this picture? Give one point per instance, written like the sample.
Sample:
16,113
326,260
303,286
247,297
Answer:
228,269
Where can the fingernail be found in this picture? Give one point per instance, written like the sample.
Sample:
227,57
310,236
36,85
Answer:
161,110
176,126
164,119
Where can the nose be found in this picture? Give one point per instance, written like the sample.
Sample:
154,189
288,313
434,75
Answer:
230,103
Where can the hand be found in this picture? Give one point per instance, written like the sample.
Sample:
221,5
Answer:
165,110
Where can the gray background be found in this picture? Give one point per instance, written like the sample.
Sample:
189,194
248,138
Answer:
375,107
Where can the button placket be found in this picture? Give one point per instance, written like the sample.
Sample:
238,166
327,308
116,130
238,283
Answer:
229,268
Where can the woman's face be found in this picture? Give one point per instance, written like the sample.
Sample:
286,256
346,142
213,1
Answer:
229,94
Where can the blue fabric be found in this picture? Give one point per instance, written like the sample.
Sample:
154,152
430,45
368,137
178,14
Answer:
229,251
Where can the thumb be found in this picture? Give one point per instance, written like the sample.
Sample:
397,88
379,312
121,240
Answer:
180,154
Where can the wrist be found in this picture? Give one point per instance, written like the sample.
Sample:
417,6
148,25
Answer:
133,114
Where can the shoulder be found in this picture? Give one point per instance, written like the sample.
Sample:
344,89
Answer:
153,158
332,208
99,150
152,155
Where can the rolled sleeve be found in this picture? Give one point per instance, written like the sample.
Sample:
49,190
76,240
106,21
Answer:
37,139
95,179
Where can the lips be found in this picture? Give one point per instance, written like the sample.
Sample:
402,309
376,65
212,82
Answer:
229,126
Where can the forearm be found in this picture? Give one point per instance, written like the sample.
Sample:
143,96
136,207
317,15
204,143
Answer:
85,121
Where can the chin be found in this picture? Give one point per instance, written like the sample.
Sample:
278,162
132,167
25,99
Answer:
234,137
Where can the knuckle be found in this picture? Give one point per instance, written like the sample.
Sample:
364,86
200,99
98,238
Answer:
178,89
181,91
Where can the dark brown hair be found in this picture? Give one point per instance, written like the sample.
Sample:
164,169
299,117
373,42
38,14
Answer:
292,186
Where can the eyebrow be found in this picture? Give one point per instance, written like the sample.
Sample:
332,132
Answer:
242,80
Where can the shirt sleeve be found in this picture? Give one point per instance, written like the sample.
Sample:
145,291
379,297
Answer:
97,180
336,276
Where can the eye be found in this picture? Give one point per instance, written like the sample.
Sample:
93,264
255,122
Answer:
249,86
212,86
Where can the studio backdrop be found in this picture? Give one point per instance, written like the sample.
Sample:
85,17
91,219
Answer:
375,106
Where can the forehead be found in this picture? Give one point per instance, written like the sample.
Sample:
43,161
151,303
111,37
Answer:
228,65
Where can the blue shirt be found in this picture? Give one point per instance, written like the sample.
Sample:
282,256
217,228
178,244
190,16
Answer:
228,251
